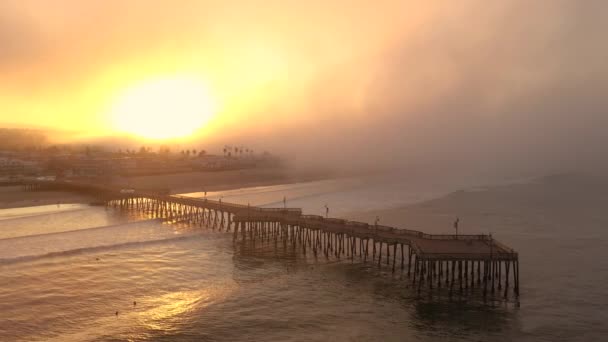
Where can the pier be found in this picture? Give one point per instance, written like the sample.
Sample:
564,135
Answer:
453,263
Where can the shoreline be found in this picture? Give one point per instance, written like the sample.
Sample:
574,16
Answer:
14,197
219,180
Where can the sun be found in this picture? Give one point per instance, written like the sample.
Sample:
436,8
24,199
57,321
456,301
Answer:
163,108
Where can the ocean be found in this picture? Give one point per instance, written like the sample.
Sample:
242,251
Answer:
87,273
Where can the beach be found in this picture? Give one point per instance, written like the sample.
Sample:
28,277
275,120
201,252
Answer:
15,197
219,180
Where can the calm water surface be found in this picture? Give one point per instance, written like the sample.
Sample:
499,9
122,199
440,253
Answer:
65,272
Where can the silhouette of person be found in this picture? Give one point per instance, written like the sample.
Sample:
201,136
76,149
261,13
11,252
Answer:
456,224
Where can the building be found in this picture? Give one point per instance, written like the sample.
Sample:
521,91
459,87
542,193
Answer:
18,167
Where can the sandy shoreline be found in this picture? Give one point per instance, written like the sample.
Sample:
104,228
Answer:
15,197
219,180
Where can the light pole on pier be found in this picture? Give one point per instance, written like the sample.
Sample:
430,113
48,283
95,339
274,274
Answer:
376,226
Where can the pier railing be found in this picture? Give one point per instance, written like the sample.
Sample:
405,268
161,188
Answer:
434,254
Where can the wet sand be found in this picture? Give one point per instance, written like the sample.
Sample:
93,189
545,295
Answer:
219,180
15,197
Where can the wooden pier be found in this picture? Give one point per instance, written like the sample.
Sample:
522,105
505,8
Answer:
453,263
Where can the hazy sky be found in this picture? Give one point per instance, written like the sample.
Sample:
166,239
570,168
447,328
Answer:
486,83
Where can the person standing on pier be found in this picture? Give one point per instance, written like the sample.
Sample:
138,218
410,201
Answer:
326,211
456,225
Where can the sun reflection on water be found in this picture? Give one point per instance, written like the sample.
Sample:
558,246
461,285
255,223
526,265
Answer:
168,311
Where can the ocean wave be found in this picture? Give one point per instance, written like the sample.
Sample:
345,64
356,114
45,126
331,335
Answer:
279,204
260,195
36,211
82,230
90,249
262,189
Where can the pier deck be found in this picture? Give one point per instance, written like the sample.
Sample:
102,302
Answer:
470,260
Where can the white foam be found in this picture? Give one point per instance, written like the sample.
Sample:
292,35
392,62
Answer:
13,213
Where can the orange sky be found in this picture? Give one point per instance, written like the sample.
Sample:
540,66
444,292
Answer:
426,80
68,61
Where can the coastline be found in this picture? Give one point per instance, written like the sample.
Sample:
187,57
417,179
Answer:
15,197
219,180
